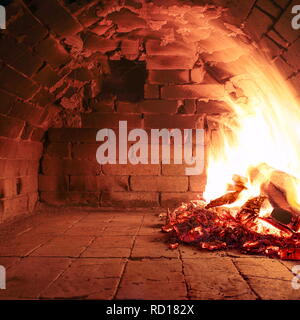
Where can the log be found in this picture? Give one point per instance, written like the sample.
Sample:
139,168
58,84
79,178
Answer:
228,198
281,191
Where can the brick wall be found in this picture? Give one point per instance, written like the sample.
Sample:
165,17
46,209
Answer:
31,65
61,52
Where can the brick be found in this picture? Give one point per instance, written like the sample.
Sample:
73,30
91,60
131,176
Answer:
126,20
131,170
284,68
178,48
94,43
277,39
37,134
195,91
175,184
27,112
82,74
259,268
7,169
70,198
18,168
270,47
171,121
103,105
85,151
189,107
197,183
98,183
71,167
100,30
151,91
292,55
8,148
269,7
29,150
130,48
130,199
58,150
6,102
72,134
43,97
46,77
174,199
16,83
168,76
52,52
258,23
53,15
128,107
101,120
220,72
197,75
159,106
27,184
88,16
10,127
212,107
273,289
21,59
169,62
53,183
7,188
238,11
27,27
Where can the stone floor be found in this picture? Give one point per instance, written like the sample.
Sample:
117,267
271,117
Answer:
84,254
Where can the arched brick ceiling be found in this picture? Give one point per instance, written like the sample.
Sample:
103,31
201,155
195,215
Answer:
61,48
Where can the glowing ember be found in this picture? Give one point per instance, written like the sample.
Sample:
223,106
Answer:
216,228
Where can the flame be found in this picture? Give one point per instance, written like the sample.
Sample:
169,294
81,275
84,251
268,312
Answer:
261,134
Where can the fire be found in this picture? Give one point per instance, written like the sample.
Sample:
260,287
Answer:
260,136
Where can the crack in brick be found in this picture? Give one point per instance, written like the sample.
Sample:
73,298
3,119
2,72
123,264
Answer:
126,261
245,278
188,296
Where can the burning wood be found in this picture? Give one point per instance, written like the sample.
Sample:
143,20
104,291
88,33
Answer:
214,226
250,210
230,197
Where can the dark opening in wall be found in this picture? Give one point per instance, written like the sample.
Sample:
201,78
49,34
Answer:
126,80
